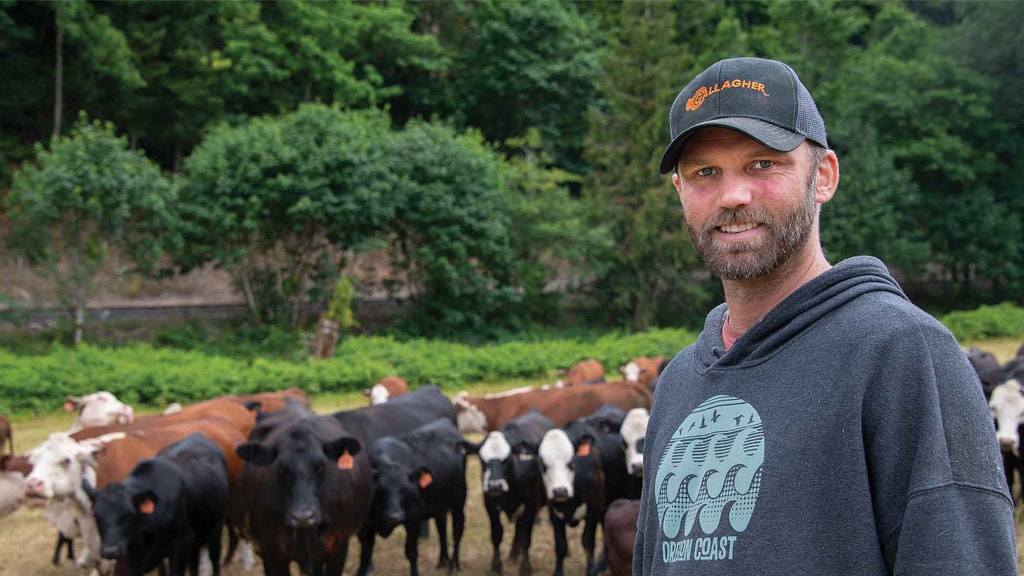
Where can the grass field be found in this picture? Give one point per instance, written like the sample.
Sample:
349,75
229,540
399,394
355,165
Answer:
26,539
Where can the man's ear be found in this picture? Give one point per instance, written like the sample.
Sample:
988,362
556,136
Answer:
828,177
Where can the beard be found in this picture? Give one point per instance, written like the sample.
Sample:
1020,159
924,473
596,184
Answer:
787,234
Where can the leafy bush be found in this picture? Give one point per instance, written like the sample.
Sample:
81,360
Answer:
143,375
1000,320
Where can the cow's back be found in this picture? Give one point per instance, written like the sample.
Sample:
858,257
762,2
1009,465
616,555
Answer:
398,416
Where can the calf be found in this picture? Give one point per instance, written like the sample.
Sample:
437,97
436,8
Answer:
308,487
167,508
386,388
583,466
587,371
511,483
633,431
620,535
644,370
1006,402
419,475
98,409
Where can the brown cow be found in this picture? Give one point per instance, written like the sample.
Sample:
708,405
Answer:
587,371
643,370
6,436
619,534
386,389
560,405
273,401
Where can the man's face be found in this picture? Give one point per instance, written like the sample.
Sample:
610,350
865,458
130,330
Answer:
748,208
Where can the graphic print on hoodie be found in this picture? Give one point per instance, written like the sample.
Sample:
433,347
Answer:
708,480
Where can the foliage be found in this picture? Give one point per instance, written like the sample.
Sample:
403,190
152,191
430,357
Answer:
647,280
86,194
992,321
143,375
270,199
450,232
339,307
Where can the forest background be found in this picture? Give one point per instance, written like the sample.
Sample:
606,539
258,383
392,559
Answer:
499,156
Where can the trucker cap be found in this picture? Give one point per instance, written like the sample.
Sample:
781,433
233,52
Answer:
763,99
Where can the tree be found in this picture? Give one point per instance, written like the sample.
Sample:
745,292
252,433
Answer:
450,233
649,278
83,197
274,199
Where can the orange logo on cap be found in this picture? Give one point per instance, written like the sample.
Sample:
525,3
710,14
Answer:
704,92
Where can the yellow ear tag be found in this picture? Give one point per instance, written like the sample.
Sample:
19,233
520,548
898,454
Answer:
425,480
146,506
346,461
583,450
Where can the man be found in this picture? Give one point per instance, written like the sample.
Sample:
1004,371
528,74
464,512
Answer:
821,424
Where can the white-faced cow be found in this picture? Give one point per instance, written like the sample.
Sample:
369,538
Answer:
1006,403
386,388
98,409
511,483
633,431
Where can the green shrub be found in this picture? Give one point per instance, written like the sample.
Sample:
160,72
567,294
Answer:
146,376
1001,320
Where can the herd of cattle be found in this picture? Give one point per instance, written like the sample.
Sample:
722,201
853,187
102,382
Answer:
291,485
135,494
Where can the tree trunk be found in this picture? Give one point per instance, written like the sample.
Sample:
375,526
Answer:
58,81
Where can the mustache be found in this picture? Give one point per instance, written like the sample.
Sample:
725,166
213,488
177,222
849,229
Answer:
728,217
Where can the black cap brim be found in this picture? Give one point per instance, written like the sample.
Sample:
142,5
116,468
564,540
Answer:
766,133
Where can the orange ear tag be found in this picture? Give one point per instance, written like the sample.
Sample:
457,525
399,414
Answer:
425,480
346,461
146,506
583,450
69,407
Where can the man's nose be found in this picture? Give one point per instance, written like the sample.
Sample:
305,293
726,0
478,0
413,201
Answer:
735,192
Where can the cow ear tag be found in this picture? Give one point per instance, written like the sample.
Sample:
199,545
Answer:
146,506
425,479
346,461
583,449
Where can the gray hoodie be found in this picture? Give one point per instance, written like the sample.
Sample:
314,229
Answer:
844,433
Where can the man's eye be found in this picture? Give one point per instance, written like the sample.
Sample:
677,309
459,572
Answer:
705,172
763,164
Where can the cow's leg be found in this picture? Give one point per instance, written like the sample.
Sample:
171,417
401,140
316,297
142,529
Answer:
1009,465
412,536
497,532
366,537
213,550
63,541
276,565
523,538
561,545
336,561
458,526
441,522
590,538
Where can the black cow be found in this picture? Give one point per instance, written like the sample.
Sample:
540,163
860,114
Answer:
166,508
511,483
583,466
308,487
399,415
420,475
990,372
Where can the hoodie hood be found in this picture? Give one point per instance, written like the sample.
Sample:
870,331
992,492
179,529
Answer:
840,284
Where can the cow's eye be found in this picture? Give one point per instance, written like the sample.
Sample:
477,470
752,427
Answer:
66,462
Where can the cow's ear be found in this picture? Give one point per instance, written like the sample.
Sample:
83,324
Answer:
467,447
584,444
335,448
253,405
422,478
89,490
145,502
255,453
366,391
